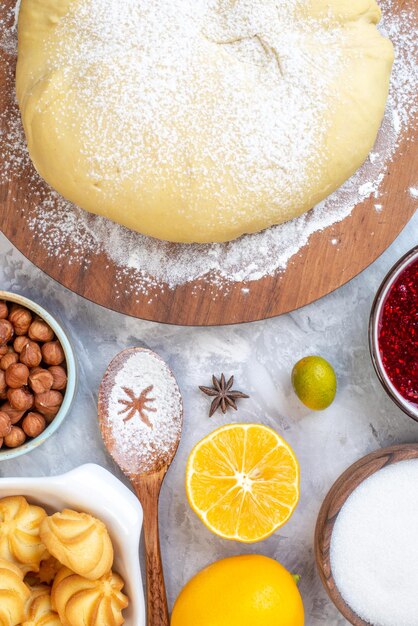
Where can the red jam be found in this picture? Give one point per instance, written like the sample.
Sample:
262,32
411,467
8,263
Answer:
398,334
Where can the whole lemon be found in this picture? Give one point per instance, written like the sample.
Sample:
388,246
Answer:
314,382
248,590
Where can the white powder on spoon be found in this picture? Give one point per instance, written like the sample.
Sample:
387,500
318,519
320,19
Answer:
374,547
143,410
69,234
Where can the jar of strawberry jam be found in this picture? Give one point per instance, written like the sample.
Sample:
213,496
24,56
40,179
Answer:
393,333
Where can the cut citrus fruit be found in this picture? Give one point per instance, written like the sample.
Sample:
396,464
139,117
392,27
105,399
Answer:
242,480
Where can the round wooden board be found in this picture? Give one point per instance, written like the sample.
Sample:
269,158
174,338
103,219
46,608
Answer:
319,268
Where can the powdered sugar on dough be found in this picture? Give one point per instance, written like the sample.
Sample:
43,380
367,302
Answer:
149,262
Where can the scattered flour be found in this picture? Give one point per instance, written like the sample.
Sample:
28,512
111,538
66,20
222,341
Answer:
145,263
144,410
264,141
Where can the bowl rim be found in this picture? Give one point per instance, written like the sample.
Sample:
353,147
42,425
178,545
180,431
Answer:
337,496
375,315
12,453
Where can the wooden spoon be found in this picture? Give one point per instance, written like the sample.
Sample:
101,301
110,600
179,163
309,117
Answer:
141,418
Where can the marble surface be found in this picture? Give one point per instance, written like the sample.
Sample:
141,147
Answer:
261,356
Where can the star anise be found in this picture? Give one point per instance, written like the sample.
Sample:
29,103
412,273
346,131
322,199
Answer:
137,405
223,394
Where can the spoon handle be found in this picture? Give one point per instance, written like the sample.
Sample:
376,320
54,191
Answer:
148,488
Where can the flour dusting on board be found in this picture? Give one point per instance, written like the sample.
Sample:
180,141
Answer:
147,262
144,412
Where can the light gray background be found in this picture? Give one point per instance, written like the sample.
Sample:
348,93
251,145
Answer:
261,356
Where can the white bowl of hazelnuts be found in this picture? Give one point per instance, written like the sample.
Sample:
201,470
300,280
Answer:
37,375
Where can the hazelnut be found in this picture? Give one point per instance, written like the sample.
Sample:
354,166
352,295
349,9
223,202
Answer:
40,331
1,442
14,414
21,399
15,438
4,350
5,424
31,354
8,359
21,319
40,380
19,343
52,353
6,332
48,403
4,310
17,375
34,424
3,385
60,377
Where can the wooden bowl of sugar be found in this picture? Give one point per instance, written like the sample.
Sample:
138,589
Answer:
366,539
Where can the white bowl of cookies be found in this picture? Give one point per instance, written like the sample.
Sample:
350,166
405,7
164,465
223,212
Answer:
69,551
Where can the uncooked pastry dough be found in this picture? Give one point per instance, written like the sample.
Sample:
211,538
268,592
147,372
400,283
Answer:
200,120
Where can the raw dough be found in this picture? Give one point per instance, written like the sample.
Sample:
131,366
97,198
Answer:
200,120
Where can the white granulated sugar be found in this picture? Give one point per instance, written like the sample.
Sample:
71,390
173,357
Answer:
144,263
154,434
414,192
374,547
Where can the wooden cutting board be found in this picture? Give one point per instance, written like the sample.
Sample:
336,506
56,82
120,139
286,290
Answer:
319,268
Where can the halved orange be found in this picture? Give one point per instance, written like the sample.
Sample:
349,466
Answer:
242,480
